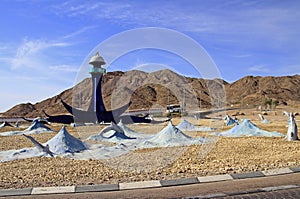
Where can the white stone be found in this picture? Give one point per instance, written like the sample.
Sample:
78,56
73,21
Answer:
279,188
277,171
53,190
140,185
215,178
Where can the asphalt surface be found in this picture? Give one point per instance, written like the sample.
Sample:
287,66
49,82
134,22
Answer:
279,186
291,193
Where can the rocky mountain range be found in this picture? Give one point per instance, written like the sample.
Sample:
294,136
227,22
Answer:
157,89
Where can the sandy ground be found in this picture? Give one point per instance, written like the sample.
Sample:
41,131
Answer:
226,155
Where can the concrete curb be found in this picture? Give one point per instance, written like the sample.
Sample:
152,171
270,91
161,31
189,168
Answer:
156,184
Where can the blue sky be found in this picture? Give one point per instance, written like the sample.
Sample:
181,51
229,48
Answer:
44,43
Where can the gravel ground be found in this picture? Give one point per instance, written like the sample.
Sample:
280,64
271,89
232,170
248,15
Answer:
227,155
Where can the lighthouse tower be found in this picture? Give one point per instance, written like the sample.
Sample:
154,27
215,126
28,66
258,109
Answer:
97,112
97,73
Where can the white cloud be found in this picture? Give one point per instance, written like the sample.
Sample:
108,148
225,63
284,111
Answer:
242,55
65,68
78,32
259,68
4,47
94,8
238,20
30,52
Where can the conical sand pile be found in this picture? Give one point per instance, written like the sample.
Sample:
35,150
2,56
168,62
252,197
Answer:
184,125
111,133
170,136
35,128
64,142
247,128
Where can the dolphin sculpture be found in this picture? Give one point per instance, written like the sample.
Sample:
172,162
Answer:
39,145
262,118
5,124
41,120
112,126
229,121
64,119
117,132
292,133
17,124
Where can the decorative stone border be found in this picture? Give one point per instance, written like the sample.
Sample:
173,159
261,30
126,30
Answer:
157,183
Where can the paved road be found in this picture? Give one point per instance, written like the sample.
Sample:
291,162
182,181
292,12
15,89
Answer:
280,194
245,188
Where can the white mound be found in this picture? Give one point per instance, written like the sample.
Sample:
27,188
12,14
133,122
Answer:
65,145
35,128
247,128
111,133
19,154
131,133
64,142
184,125
36,125
170,136
61,144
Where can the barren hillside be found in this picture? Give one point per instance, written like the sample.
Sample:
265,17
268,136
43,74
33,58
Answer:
157,89
252,90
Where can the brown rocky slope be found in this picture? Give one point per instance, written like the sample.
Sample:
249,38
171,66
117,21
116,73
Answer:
251,90
157,89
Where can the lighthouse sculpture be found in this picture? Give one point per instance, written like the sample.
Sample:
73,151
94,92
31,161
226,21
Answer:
97,112
97,73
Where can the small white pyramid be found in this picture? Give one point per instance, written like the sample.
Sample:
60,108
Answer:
63,142
247,128
170,136
185,125
36,125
